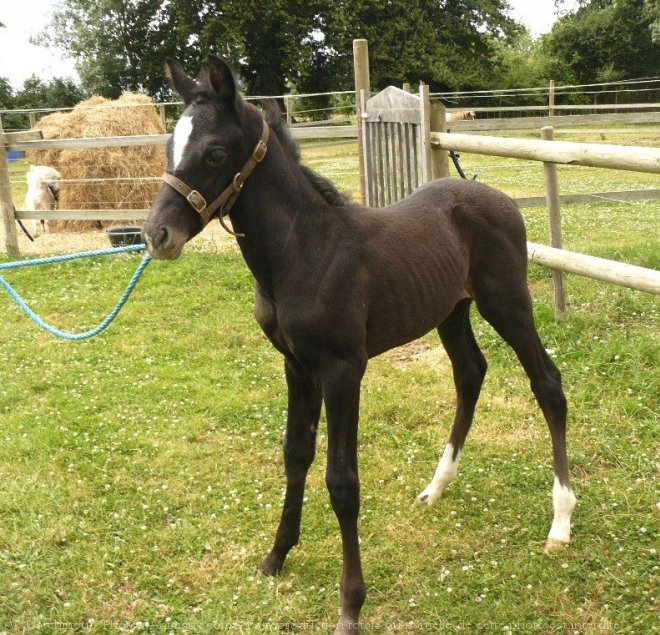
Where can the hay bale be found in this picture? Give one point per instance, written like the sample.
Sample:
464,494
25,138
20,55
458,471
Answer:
124,168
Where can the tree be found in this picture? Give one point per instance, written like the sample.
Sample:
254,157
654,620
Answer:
652,8
36,93
445,44
519,65
115,43
6,95
603,40
278,43
56,93
121,44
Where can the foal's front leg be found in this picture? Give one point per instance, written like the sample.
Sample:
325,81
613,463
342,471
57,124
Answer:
299,450
341,391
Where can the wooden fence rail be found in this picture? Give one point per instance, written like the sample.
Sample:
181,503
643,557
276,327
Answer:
320,132
504,109
522,202
84,214
567,121
618,196
620,273
23,140
89,142
597,155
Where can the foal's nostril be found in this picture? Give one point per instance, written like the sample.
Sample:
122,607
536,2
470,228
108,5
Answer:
160,238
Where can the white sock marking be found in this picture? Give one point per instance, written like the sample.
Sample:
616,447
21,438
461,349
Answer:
182,133
563,502
445,473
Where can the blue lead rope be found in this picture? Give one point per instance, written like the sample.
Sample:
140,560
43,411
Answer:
85,254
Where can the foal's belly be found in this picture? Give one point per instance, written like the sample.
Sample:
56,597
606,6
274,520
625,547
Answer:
399,325
412,292
408,303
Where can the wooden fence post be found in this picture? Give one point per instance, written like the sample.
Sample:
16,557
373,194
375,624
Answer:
161,112
6,204
369,161
287,108
425,133
551,99
33,119
406,86
554,216
439,157
361,71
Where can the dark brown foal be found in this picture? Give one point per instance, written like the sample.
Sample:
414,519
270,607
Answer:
339,284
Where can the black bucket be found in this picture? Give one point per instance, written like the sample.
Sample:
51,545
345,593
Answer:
123,236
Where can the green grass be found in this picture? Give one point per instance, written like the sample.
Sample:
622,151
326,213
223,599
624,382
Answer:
141,475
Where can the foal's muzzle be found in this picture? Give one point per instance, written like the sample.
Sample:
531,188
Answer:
163,243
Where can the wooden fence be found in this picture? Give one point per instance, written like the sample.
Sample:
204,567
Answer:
548,151
551,153
489,118
382,111
29,140
503,121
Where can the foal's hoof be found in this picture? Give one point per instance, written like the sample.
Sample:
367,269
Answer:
551,544
271,565
428,496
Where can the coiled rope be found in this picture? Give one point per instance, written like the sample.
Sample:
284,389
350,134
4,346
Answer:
84,254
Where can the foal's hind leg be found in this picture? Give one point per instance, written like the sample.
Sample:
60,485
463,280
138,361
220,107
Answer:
469,368
509,311
299,450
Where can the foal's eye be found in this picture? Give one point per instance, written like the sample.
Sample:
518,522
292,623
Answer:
216,156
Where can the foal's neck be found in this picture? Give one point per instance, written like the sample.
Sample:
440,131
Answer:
279,212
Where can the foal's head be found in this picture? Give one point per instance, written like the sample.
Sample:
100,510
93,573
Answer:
213,139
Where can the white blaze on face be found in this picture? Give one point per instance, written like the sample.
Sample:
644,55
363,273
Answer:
444,474
180,138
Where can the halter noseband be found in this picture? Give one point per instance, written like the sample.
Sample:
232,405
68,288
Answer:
228,196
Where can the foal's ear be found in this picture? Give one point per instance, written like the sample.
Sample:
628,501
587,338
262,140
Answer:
179,80
222,80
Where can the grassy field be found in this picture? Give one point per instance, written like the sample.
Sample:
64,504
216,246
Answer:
141,475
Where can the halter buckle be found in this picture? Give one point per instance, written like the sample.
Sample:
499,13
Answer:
197,201
236,184
260,151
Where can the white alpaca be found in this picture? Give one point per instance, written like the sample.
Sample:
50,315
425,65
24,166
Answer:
43,192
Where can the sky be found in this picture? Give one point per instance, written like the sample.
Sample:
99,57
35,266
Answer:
25,18
18,58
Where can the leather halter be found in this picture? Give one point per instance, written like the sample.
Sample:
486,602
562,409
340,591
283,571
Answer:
228,196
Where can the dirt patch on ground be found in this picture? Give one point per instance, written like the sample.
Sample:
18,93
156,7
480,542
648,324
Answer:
419,352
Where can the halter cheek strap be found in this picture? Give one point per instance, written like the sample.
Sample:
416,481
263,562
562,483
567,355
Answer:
225,201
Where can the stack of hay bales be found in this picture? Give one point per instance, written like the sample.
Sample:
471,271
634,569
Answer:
128,170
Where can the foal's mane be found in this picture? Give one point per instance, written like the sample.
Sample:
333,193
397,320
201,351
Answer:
321,184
